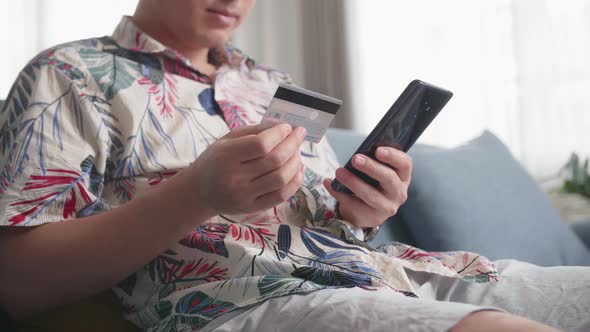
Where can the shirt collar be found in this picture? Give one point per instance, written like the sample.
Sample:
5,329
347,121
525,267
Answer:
128,35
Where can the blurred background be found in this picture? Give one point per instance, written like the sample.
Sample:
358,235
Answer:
520,68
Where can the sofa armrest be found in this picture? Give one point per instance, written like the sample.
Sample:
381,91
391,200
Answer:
582,229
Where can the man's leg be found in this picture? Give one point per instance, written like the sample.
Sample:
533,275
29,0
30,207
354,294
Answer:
557,296
346,309
355,309
494,321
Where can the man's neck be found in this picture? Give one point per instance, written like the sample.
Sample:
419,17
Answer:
198,56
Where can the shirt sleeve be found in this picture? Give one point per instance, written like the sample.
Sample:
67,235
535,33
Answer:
48,157
320,162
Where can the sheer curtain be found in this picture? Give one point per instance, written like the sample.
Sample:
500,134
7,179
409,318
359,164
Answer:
306,38
552,44
520,68
30,26
462,45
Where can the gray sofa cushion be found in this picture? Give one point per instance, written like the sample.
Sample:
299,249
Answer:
582,229
477,197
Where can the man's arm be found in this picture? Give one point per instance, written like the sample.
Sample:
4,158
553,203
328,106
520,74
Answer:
59,262
245,171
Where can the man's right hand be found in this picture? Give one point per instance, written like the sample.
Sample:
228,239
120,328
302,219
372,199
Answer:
245,171
248,170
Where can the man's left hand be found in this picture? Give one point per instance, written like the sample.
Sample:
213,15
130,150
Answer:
369,206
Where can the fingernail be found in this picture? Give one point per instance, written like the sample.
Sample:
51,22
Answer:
382,152
302,132
288,129
360,160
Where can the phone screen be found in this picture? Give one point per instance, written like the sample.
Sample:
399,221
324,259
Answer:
402,125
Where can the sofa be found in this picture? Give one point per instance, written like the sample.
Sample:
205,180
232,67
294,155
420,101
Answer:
445,180
454,204
477,197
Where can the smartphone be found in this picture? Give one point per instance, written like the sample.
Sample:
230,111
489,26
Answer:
401,126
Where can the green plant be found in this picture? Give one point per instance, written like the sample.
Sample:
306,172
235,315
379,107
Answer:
577,177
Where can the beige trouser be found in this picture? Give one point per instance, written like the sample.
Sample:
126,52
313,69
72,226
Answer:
557,296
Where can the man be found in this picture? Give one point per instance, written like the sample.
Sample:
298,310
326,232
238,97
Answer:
135,159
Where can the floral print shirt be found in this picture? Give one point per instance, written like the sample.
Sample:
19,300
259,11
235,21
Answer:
92,124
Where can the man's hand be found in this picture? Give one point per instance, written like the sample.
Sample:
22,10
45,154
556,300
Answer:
248,170
369,206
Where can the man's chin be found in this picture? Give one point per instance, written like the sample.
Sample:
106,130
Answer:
216,38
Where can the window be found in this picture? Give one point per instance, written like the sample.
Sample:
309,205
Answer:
30,26
520,68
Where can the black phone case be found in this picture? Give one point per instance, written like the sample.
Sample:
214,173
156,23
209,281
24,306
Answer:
402,125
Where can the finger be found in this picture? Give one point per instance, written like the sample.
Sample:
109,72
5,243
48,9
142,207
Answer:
281,153
278,178
361,214
243,131
254,146
343,198
363,190
282,194
402,162
387,177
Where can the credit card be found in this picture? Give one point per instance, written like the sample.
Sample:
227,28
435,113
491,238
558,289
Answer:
301,108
